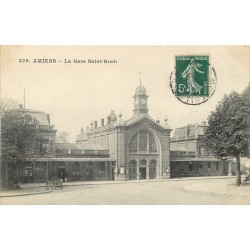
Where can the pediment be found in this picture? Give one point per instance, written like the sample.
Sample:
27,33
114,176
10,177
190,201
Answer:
145,122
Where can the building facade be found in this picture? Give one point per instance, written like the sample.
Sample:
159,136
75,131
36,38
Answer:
140,145
133,149
117,149
46,136
189,157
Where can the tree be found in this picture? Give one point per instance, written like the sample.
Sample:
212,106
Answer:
228,132
62,137
19,139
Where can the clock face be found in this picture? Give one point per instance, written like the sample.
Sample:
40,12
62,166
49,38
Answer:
143,102
136,101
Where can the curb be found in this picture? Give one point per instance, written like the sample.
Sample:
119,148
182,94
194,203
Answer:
25,194
70,184
98,183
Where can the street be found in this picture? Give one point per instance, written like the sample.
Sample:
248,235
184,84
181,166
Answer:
178,191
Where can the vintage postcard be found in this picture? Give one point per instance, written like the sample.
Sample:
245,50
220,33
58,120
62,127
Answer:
125,125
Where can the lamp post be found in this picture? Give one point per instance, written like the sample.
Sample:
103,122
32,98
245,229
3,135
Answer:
46,155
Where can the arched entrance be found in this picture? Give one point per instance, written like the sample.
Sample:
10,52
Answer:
152,169
132,170
143,169
145,149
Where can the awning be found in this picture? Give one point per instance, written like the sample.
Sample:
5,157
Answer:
195,159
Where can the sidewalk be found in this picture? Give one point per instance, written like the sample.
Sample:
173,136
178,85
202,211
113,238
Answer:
216,188
27,190
39,188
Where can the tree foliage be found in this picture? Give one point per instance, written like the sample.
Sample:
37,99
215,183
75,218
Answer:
19,138
228,132
62,137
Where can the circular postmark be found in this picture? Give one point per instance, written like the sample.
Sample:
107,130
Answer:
193,80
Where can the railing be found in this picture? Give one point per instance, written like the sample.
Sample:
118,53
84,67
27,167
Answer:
78,152
189,137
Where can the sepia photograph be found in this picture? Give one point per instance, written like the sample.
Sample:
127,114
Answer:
125,125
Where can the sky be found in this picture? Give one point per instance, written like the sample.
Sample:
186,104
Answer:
74,94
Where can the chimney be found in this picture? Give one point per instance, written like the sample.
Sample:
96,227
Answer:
108,120
102,122
95,124
158,121
48,118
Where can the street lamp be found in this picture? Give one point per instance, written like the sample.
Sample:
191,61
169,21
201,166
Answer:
46,155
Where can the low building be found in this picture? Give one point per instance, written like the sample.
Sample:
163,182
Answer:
74,162
189,157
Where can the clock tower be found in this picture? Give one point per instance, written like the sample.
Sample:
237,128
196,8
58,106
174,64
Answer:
140,101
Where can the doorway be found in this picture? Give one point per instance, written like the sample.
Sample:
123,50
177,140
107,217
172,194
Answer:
28,174
152,169
142,171
132,170
76,172
89,171
62,172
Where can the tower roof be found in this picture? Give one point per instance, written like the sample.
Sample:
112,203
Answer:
140,90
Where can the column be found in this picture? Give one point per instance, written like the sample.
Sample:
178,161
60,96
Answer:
165,155
147,142
66,172
138,141
147,172
137,171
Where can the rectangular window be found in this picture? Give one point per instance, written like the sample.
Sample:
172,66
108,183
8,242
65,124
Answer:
190,166
182,152
217,166
182,169
102,168
209,166
201,167
202,151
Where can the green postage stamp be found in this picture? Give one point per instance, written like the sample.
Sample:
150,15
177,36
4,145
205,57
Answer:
192,75
194,79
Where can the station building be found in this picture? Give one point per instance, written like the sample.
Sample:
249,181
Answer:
117,149
139,145
189,157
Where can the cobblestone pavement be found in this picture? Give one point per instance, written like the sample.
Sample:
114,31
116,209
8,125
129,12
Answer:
180,191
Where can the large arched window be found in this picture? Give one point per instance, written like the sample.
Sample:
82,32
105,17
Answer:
152,144
143,142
